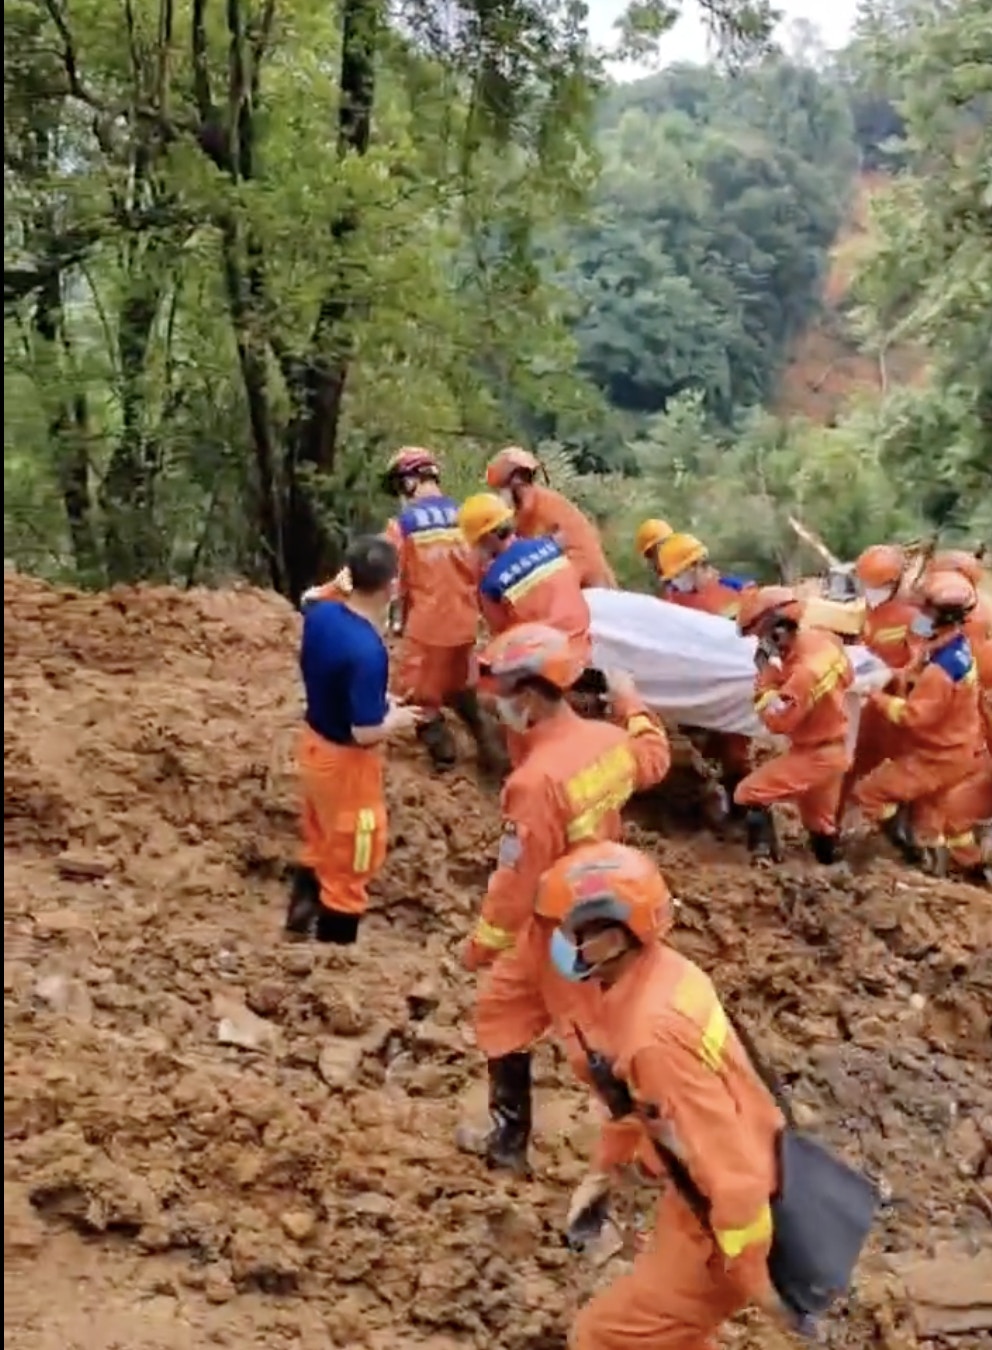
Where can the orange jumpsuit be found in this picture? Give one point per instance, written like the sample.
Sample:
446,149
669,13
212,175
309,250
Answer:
546,512
804,700
941,724
668,1037
887,634
570,789
438,591
720,596
532,581
970,803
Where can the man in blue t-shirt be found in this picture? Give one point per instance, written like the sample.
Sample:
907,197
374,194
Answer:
349,713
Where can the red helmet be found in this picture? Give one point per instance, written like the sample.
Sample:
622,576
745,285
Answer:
767,603
948,593
880,566
606,883
413,461
512,460
529,651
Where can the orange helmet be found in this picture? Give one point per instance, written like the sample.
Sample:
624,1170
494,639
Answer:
606,882
760,603
651,533
529,651
958,560
881,565
948,592
412,461
513,459
678,552
481,514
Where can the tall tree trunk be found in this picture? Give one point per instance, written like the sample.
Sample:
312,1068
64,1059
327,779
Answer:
133,544
319,384
67,428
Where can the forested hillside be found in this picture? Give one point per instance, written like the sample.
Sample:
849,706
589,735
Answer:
250,249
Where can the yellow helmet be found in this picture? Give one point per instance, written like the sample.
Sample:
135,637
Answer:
481,514
678,552
650,534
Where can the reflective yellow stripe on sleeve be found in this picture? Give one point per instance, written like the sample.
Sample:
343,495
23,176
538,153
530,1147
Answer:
894,709
488,935
763,700
733,1241
714,1039
364,834
639,725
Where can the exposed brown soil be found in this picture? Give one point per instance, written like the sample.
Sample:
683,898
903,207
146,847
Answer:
826,370
164,1190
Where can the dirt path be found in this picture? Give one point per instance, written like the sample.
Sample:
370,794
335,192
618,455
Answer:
164,1189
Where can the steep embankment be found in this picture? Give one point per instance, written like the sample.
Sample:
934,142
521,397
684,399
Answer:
826,370
217,1138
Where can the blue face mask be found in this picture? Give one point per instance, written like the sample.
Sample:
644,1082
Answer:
922,626
566,959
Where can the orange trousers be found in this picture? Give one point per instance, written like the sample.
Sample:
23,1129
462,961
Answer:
522,996
811,777
967,805
922,782
878,740
343,819
675,1298
428,676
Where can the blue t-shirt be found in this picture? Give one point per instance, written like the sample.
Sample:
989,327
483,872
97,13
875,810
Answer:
345,669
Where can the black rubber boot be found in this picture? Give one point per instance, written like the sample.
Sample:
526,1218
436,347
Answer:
304,902
489,748
899,832
730,783
510,1110
439,742
825,848
762,836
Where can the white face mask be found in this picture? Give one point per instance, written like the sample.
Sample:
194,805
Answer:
877,595
512,715
923,626
684,583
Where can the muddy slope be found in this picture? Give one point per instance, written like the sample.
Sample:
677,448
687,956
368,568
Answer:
216,1138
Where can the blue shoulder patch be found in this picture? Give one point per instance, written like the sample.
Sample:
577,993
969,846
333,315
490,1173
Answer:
954,658
430,513
522,560
736,583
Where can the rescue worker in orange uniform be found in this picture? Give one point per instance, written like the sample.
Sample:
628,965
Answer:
523,580
665,1037
939,721
803,676
686,578
571,786
349,714
968,822
978,626
888,634
540,511
438,595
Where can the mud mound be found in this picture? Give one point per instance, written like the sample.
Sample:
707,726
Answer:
213,1137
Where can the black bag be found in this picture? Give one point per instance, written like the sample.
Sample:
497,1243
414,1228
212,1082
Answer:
822,1212
821,1217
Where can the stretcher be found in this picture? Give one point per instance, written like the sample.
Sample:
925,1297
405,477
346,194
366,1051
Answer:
693,669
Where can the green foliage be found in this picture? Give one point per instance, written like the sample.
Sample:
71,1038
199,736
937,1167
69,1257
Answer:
705,253
252,247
